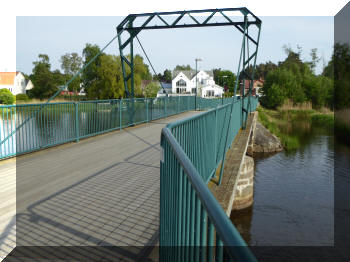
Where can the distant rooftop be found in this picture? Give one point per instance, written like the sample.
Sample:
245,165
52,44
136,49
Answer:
190,73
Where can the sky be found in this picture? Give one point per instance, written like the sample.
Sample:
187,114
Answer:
218,47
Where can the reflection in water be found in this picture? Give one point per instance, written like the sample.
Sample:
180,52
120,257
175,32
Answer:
293,193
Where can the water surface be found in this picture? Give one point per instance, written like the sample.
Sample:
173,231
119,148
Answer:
293,193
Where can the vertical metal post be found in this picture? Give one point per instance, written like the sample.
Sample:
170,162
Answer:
132,77
120,114
146,110
195,101
76,121
232,103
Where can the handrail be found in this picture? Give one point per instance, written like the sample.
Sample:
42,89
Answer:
189,213
236,246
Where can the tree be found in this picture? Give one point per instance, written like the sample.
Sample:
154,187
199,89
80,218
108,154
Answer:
262,70
283,84
141,69
314,59
338,69
71,64
167,77
225,78
109,84
89,76
6,97
45,82
183,68
273,96
152,89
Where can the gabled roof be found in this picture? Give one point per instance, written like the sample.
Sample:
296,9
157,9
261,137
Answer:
190,74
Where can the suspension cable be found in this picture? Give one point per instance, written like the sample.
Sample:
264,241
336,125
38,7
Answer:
154,71
59,90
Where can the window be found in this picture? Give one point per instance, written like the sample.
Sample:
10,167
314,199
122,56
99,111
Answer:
193,90
181,82
180,90
210,93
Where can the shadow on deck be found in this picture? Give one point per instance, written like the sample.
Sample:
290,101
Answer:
111,214
112,208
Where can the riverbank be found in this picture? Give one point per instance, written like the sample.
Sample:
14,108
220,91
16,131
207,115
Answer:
281,122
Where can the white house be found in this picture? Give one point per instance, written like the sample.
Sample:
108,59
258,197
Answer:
15,82
184,82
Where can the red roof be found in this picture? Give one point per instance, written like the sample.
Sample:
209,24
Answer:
7,78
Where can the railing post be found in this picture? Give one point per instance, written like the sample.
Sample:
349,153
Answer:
215,134
76,104
146,110
120,114
165,106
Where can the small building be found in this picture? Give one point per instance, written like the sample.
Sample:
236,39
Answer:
186,82
256,88
167,89
15,82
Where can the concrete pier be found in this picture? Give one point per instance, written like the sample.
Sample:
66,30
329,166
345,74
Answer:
237,164
245,185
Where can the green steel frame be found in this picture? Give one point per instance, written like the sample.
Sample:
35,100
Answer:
128,30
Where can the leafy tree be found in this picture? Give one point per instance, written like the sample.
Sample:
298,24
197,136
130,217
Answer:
152,89
141,69
45,82
338,69
109,84
6,97
262,70
225,78
273,97
89,76
183,67
71,64
314,59
283,84
22,97
167,77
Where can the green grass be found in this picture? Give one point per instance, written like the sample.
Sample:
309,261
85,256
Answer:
274,119
271,120
324,119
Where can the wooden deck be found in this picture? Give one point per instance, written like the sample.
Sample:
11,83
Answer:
100,192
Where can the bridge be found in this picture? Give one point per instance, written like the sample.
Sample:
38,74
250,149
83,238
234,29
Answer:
125,191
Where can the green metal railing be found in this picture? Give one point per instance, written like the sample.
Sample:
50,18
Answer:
29,127
193,226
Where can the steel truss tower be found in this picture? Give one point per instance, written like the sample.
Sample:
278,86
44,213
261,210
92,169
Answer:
243,19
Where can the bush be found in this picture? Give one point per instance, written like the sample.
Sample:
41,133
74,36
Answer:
6,97
22,97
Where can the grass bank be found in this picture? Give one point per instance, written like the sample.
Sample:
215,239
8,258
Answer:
281,122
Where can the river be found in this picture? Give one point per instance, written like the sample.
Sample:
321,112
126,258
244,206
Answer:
294,192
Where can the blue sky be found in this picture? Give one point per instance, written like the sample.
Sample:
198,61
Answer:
218,47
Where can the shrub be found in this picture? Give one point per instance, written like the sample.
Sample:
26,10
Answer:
6,97
22,97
